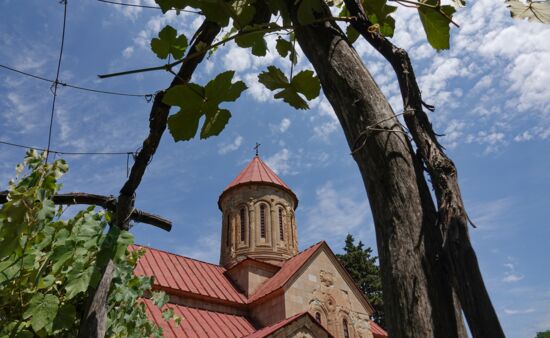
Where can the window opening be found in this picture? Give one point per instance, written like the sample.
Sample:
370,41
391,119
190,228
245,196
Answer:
346,330
281,228
242,224
262,220
318,317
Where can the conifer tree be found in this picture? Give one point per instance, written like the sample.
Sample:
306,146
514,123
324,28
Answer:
361,265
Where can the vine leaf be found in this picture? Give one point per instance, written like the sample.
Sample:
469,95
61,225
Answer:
285,48
538,11
168,42
166,5
196,101
42,310
255,41
304,83
352,34
378,12
436,25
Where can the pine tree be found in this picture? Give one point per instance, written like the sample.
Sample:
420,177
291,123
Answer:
362,267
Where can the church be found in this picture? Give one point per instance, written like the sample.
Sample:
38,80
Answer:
263,287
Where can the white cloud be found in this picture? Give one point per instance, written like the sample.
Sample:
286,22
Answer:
518,312
280,162
224,148
282,126
257,90
238,59
127,52
336,212
511,275
206,248
512,278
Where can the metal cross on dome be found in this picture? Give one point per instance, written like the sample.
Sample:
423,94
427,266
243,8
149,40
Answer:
256,147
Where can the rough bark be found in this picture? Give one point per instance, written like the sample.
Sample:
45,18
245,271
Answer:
95,316
400,201
459,254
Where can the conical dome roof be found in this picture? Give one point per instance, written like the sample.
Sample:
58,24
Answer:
257,172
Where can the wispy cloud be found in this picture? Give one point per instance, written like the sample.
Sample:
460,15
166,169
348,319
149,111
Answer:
224,148
336,212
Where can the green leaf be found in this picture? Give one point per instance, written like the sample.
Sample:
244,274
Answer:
255,41
436,25
65,317
536,11
290,96
42,310
307,83
352,34
183,125
168,43
284,48
273,78
78,281
188,97
215,123
195,101
378,12
244,12
303,83
221,89
166,5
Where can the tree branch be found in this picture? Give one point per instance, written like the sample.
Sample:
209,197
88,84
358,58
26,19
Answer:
452,216
267,28
106,202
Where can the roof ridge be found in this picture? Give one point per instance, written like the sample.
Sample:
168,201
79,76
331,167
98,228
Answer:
178,255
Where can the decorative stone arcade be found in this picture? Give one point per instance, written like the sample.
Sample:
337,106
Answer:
258,217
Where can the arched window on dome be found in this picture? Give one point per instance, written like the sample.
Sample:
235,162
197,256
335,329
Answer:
243,228
318,317
345,326
281,228
262,220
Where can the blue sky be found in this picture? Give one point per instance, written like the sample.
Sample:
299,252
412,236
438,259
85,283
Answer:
491,91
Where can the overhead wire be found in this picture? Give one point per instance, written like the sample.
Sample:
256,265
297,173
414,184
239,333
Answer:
55,84
148,97
67,152
143,6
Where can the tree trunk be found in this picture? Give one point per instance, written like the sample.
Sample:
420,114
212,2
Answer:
418,298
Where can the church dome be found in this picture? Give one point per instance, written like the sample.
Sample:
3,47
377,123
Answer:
257,172
258,218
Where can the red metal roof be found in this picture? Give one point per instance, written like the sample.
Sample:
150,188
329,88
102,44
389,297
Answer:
289,268
199,323
258,172
177,274
377,331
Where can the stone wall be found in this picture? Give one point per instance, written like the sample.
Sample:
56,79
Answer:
324,291
270,246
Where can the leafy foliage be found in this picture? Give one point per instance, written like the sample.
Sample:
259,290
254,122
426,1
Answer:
537,11
378,13
436,23
545,334
362,267
48,263
304,83
168,42
196,101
